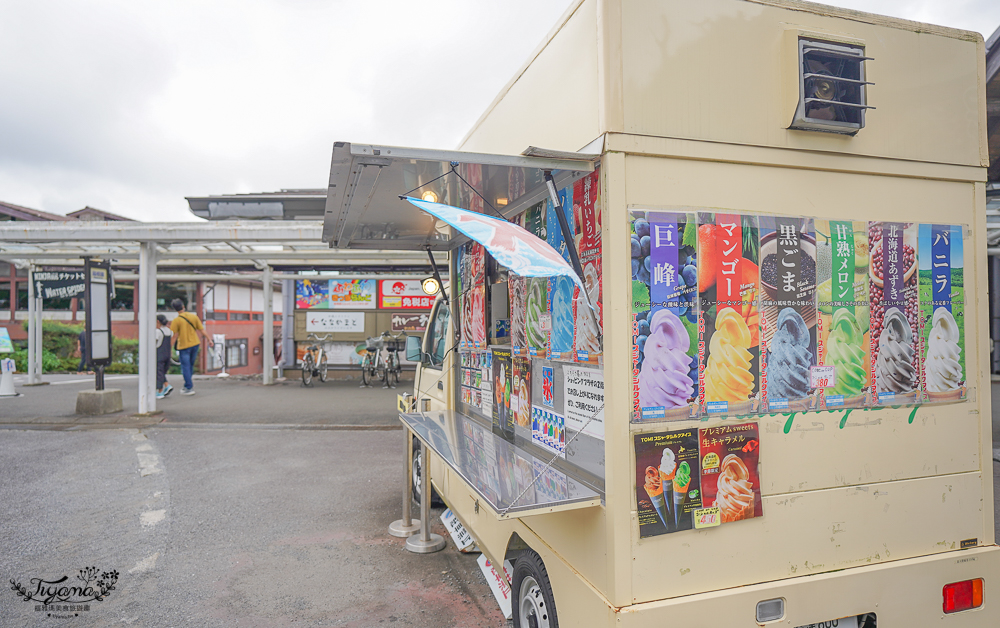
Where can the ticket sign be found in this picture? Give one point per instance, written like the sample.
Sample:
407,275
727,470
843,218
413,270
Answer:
403,294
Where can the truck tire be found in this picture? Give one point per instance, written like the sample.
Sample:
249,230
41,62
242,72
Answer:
534,605
415,461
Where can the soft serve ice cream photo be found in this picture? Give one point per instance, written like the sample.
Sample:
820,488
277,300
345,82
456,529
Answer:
729,335
668,481
664,305
842,291
788,311
730,479
942,312
894,317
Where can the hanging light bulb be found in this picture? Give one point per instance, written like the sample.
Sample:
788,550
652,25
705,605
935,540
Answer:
429,196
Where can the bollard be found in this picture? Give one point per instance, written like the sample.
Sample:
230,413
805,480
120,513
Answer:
7,371
426,542
406,526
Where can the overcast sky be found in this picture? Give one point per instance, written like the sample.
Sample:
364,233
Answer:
131,106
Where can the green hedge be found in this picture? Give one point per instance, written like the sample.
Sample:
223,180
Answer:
59,344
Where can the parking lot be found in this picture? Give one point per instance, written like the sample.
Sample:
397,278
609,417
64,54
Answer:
242,506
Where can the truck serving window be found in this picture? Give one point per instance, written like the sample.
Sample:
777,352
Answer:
438,335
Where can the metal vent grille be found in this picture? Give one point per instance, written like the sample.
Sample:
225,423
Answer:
832,88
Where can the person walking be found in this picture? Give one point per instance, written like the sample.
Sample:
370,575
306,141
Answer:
189,333
164,338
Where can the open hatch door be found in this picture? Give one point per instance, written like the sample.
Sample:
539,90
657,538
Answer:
364,211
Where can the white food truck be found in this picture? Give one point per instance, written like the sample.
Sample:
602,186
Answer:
777,410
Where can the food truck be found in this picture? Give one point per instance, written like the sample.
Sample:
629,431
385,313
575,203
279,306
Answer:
762,396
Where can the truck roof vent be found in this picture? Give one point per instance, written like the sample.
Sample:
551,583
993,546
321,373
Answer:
832,88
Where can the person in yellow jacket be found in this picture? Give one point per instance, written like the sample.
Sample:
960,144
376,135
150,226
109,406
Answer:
189,332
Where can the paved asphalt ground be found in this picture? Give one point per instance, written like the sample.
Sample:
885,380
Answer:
245,506
239,506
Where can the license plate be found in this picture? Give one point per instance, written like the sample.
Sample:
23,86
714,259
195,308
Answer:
844,622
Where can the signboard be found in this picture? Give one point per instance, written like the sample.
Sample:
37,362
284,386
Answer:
463,540
6,346
583,392
403,294
97,300
60,284
500,586
335,321
357,294
409,322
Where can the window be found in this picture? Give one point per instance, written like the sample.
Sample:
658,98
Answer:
236,352
22,297
258,317
5,296
167,292
437,335
216,316
239,316
124,293
832,87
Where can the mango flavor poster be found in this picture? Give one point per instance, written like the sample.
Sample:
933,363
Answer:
729,334
730,479
842,260
667,481
942,313
665,320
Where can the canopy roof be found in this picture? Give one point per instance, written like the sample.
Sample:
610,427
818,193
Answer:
363,209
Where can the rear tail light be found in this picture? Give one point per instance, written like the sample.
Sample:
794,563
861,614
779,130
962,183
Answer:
962,596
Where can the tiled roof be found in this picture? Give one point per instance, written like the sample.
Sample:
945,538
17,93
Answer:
17,212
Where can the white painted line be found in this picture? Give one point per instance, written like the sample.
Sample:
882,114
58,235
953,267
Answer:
152,517
146,564
149,464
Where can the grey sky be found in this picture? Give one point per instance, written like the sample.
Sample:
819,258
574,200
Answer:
130,106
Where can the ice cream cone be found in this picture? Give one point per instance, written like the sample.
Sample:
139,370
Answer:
680,484
654,488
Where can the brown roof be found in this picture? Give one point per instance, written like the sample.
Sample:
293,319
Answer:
17,212
92,213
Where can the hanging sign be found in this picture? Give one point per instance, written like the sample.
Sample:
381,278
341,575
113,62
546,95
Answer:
403,294
59,284
357,294
335,321
409,322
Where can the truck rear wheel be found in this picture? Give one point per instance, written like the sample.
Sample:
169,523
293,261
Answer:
534,606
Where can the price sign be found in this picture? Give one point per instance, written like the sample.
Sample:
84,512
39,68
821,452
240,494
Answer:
822,377
707,518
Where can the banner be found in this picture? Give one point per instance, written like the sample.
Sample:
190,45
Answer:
337,322
403,294
356,294
59,284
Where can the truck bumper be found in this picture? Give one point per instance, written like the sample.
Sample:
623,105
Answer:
901,593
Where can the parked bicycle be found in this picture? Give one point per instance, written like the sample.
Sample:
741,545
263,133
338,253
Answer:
371,365
314,362
390,364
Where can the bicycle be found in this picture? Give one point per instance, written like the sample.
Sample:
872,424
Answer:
391,367
370,365
314,361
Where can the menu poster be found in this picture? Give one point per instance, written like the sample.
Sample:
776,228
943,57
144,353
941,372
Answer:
668,481
503,420
553,231
520,394
665,320
560,293
476,319
728,329
548,430
942,313
587,219
537,318
730,479
895,364
534,220
844,313
518,286
787,312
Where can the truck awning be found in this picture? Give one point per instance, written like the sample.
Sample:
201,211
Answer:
364,211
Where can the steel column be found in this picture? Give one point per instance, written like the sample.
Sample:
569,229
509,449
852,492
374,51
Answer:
426,542
147,327
33,376
406,526
268,327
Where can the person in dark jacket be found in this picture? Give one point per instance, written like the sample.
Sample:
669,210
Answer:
164,338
